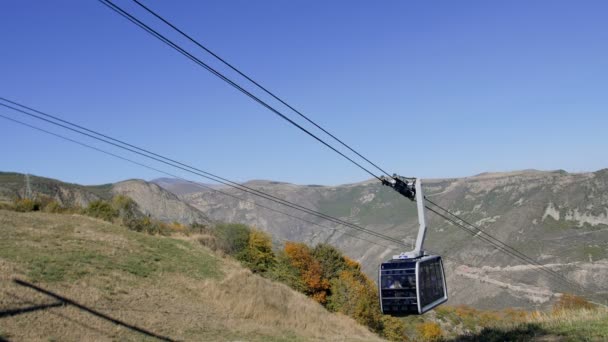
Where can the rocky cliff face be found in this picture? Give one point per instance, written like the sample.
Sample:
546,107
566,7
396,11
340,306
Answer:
557,218
13,185
159,203
151,199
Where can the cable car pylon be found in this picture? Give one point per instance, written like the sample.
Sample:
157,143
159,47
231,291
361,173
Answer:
412,282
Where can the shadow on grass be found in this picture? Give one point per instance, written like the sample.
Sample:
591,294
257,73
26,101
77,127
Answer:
63,301
19,311
527,332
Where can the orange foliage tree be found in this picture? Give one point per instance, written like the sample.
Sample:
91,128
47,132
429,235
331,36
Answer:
310,270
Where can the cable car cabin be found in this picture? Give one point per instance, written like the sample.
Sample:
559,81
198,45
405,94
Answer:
412,283
411,286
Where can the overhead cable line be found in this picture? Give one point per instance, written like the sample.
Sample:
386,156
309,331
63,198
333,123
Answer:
196,60
202,185
170,43
159,158
183,179
256,83
179,49
567,283
216,178
235,185
157,35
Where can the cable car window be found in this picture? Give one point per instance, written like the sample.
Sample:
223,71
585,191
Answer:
397,280
431,285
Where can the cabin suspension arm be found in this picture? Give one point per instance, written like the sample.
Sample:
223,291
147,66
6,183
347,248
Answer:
410,188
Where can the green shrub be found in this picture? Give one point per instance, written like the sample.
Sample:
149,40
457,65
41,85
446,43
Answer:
393,328
125,206
331,259
283,271
232,238
53,207
137,224
102,209
147,225
258,256
430,331
355,295
209,241
25,205
199,228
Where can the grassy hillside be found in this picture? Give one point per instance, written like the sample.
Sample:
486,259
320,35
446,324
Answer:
132,286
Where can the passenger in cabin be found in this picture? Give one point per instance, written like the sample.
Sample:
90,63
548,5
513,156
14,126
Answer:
411,280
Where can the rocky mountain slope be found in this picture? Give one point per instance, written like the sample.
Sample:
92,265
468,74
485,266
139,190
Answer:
151,199
159,203
178,186
557,218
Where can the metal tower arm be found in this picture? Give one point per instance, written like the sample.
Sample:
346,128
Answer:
413,191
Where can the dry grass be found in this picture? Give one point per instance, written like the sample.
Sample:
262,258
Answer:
222,302
250,298
565,325
568,316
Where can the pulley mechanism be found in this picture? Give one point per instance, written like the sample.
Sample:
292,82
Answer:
401,185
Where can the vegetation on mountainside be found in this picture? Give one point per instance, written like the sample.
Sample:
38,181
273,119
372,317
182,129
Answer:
14,184
119,209
337,282
322,272
171,286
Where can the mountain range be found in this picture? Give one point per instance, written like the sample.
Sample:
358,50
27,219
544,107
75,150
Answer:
558,219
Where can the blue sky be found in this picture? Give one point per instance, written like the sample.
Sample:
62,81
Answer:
427,88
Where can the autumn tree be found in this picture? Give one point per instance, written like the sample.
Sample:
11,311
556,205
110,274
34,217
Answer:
331,260
283,271
258,255
310,270
355,295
